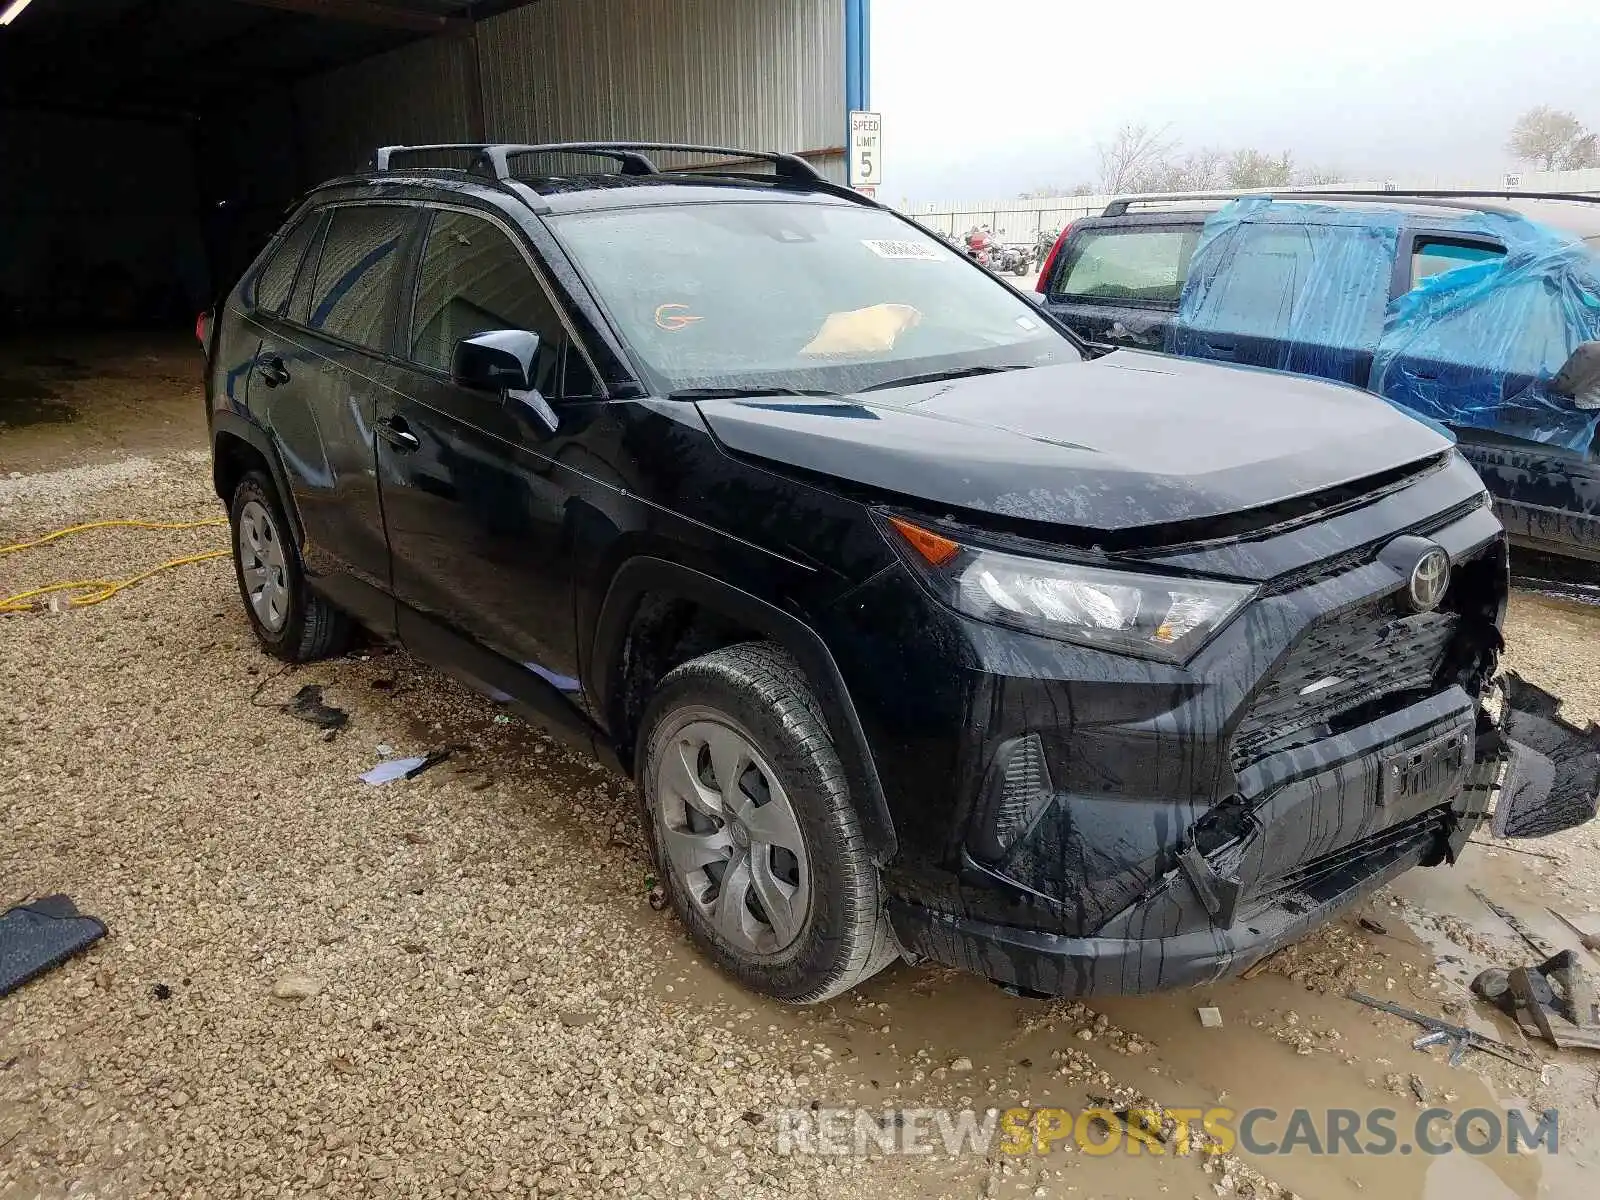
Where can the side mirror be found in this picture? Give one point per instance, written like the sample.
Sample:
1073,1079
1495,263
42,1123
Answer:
498,361
1579,379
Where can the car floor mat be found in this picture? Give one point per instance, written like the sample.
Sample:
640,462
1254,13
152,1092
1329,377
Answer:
1553,782
35,937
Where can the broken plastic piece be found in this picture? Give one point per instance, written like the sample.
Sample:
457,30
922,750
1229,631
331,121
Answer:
1211,1018
35,937
410,768
395,768
307,705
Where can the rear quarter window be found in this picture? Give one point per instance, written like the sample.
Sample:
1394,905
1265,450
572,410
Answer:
1147,265
268,288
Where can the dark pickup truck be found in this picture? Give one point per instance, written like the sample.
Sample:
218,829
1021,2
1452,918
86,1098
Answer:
1478,315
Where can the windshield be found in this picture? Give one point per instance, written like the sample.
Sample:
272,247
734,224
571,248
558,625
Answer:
810,297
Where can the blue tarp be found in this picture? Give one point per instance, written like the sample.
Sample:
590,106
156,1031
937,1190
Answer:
1305,287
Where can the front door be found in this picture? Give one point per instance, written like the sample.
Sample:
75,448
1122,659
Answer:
474,502
1306,298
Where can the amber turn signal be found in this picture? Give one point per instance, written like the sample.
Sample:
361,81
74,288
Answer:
935,549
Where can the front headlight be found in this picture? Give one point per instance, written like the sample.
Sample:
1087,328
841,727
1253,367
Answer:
1165,617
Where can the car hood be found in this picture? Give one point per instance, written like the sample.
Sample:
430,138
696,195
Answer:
1119,442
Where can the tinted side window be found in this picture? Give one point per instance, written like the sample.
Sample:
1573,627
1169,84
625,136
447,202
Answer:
1129,264
1433,256
474,279
269,288
359,272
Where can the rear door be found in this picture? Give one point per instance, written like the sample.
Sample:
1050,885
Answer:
1483,370
1117,283
324,364
475,496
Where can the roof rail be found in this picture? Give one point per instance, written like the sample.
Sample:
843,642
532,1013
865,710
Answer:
1119,207
631,155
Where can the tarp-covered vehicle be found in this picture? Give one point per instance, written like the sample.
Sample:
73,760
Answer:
1483,317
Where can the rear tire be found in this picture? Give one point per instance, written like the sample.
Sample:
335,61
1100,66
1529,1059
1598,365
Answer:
750,823
291,621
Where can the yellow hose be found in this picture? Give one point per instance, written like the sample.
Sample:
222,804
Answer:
95,590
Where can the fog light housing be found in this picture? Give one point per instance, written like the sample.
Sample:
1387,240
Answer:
1016,791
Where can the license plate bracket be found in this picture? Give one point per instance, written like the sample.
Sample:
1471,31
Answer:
1429,773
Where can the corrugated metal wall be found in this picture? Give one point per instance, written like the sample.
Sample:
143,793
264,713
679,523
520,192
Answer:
766,74
419,93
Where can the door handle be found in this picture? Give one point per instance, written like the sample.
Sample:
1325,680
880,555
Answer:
395,431
272,371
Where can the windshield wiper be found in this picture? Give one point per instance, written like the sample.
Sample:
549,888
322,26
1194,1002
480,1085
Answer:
940,376
745,393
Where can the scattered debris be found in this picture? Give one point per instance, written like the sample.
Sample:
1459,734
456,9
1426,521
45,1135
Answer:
161,992
1555,858
657,895
409,768
297,986
1553,1000
1537,944
35,937
961,1064
1372,926
1417,1088
1211,1018
1457,1033
1589,941
307,705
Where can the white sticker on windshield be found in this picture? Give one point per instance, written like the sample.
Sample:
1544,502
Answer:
885,248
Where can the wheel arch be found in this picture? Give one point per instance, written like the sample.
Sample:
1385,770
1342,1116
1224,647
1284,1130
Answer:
239,446
644,579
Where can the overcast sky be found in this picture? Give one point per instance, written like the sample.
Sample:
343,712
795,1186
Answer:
982,99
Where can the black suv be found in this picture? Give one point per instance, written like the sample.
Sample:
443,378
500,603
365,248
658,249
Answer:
921,632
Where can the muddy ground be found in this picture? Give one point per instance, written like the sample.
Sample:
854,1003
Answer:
496,1008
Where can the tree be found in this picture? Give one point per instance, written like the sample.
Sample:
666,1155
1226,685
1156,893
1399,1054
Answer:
1314,175
1553,140
1252,169
1133,157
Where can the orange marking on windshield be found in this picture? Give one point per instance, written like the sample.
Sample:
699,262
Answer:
674,321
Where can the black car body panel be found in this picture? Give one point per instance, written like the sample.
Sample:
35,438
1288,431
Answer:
1548,497
1057,816
1073,445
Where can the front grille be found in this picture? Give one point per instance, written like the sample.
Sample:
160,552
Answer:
1349,661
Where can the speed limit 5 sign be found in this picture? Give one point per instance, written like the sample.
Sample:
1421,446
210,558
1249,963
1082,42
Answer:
866,149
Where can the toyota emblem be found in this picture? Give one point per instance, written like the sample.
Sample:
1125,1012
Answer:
1429,580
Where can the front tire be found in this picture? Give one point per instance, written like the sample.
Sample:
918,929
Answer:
291,621
749,817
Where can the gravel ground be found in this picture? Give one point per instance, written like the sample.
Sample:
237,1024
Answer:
456,986
487,1010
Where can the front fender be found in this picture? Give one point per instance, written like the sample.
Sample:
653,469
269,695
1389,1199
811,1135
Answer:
642,576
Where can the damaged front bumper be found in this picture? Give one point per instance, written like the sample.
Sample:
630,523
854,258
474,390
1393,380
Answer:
1552,767
1338,820
1418,783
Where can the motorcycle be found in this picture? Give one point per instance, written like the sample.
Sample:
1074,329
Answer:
1007,260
